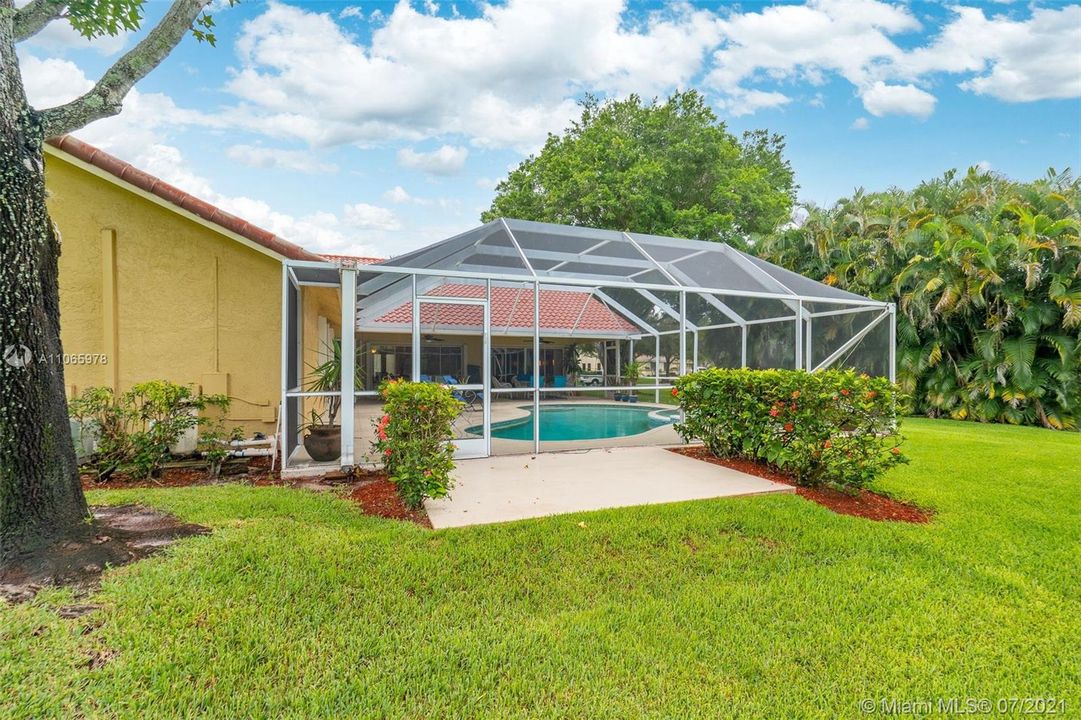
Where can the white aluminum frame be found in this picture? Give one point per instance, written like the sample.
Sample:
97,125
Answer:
465,447
596,285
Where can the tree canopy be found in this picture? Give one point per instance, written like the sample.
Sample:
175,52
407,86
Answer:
667,168
987,276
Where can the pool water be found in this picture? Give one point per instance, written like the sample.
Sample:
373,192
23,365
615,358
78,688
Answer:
583,422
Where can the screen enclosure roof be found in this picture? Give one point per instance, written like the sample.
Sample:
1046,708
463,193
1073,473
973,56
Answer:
566,253
635,275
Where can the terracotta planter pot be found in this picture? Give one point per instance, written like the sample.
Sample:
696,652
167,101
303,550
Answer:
324,442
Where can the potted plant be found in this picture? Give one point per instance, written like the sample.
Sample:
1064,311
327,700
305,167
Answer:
323,440
631,372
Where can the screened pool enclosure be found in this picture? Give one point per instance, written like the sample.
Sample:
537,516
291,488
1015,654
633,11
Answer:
556,337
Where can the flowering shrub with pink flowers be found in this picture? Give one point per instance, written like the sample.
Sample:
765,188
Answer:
832,428
413,438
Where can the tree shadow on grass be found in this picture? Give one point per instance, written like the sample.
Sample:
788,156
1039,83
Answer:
118,535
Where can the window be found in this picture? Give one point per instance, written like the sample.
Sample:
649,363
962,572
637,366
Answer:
440,360
436,360
510,363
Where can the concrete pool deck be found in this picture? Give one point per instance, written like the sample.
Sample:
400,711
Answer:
515,487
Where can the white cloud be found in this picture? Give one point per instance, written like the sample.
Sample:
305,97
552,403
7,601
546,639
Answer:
319,232
1030,61
881,99
270,158
363,216
397,194
137,128
351,11
144,123
860,123
447,160
804,42
984,166
52,81
505,78
747,102
1013,60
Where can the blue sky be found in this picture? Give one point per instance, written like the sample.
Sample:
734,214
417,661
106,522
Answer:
377,127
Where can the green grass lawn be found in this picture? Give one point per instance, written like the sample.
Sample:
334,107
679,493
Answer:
298,606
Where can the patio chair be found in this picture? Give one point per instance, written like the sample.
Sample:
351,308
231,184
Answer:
500,384
466,396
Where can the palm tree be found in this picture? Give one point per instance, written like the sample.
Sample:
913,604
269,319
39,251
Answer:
987,277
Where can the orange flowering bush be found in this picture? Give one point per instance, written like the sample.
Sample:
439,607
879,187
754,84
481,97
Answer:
832,428
412,437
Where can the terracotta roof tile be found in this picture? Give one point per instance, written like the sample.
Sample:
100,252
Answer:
174,195
513,308
353,260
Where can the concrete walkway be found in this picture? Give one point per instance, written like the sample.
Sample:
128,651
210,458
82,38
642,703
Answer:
514,487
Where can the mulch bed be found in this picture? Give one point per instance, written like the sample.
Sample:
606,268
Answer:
118,535
864,504
376,495
255,471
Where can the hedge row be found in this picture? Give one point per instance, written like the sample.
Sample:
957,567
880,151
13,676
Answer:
828,428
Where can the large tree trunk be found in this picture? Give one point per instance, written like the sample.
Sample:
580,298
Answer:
40,494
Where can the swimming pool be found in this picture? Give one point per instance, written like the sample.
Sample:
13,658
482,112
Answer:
582,422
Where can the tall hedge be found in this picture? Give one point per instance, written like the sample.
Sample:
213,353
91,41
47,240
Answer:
831,428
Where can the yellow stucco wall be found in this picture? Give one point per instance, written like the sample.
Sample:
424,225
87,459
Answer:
163,296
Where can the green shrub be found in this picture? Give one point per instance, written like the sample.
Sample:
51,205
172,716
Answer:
111,420
827,428
413,438
137,428
164,411
215,443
